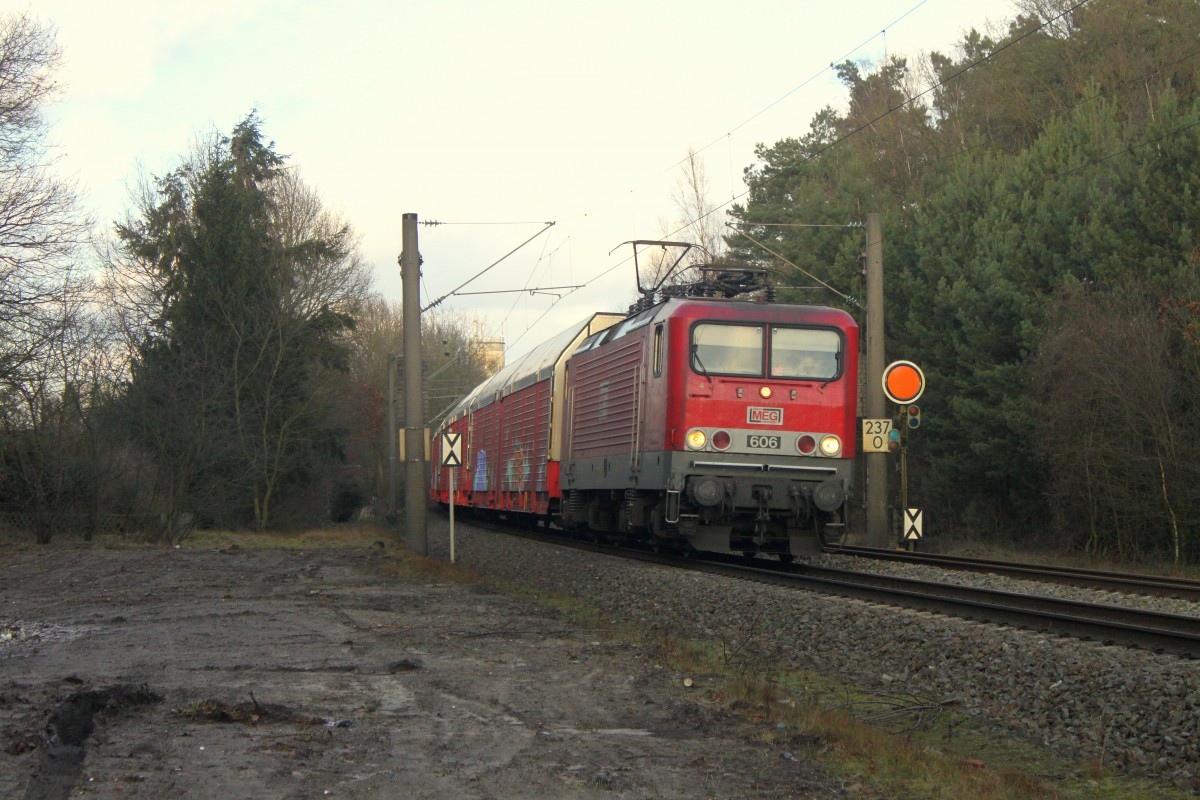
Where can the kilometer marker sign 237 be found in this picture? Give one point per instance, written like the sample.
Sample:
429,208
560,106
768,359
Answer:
875,435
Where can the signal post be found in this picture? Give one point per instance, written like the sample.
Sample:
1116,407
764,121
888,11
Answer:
903,382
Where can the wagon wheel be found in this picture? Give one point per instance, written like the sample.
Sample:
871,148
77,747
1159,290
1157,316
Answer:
832,531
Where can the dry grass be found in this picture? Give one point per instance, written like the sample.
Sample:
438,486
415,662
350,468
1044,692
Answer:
363,535
1032,555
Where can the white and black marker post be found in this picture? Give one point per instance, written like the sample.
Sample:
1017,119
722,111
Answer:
452,458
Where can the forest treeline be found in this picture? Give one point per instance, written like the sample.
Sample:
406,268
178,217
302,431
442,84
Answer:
217,358
1040,192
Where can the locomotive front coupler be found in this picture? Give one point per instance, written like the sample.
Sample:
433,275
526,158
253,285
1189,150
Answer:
763,495
799,495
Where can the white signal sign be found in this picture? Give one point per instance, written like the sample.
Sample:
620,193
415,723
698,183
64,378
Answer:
876,434
913,522
451,449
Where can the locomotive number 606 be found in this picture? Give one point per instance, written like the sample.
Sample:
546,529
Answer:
763,442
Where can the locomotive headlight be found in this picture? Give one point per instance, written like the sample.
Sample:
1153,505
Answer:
696,439
831,445
765,392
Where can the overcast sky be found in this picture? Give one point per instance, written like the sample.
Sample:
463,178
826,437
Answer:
519,111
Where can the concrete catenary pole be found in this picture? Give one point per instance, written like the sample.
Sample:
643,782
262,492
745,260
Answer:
393,446
878,527
416,533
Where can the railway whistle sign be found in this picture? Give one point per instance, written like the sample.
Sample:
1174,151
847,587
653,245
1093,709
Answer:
913,522
451,449
903,382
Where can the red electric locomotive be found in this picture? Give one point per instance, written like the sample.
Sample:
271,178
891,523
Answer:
722,422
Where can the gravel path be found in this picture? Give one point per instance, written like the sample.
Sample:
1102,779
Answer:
1129,709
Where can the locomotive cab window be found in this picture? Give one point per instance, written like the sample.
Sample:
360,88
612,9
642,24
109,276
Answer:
805,353
727,349
658,349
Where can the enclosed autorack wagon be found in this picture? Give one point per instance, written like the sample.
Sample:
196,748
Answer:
511,431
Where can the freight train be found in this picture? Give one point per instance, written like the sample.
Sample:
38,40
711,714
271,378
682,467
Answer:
708,418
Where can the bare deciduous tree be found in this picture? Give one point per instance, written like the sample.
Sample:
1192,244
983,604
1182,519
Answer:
334,276
702,219
699,221
39,227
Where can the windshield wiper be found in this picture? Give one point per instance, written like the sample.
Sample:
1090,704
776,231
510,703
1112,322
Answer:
838,371
699,363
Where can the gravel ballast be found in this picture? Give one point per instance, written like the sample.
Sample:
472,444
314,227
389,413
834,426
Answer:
1127,709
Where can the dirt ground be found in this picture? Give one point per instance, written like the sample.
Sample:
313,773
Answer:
163,673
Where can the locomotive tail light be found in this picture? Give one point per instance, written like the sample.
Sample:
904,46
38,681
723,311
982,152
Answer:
765,392
721,440
831,445
696,439
806,444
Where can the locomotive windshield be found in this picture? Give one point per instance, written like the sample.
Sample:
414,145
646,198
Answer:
727,349
794,353
804,353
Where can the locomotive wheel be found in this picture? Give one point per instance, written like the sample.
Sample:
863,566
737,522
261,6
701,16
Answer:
832,536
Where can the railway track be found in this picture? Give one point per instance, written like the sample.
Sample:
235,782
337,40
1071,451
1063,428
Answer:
1158,586
1100,622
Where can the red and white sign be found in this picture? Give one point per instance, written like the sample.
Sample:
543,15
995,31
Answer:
758,415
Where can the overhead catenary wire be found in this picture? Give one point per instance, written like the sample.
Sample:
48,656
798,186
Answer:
728,134
858,130
1124,151
872,121
479,274
806,273
908,101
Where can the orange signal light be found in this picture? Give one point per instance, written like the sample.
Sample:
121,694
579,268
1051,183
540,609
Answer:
903,382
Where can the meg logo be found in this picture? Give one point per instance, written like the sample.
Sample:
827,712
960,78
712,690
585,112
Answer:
757,415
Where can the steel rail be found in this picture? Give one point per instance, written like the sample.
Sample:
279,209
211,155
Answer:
1169,633
1130,583
1175,634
